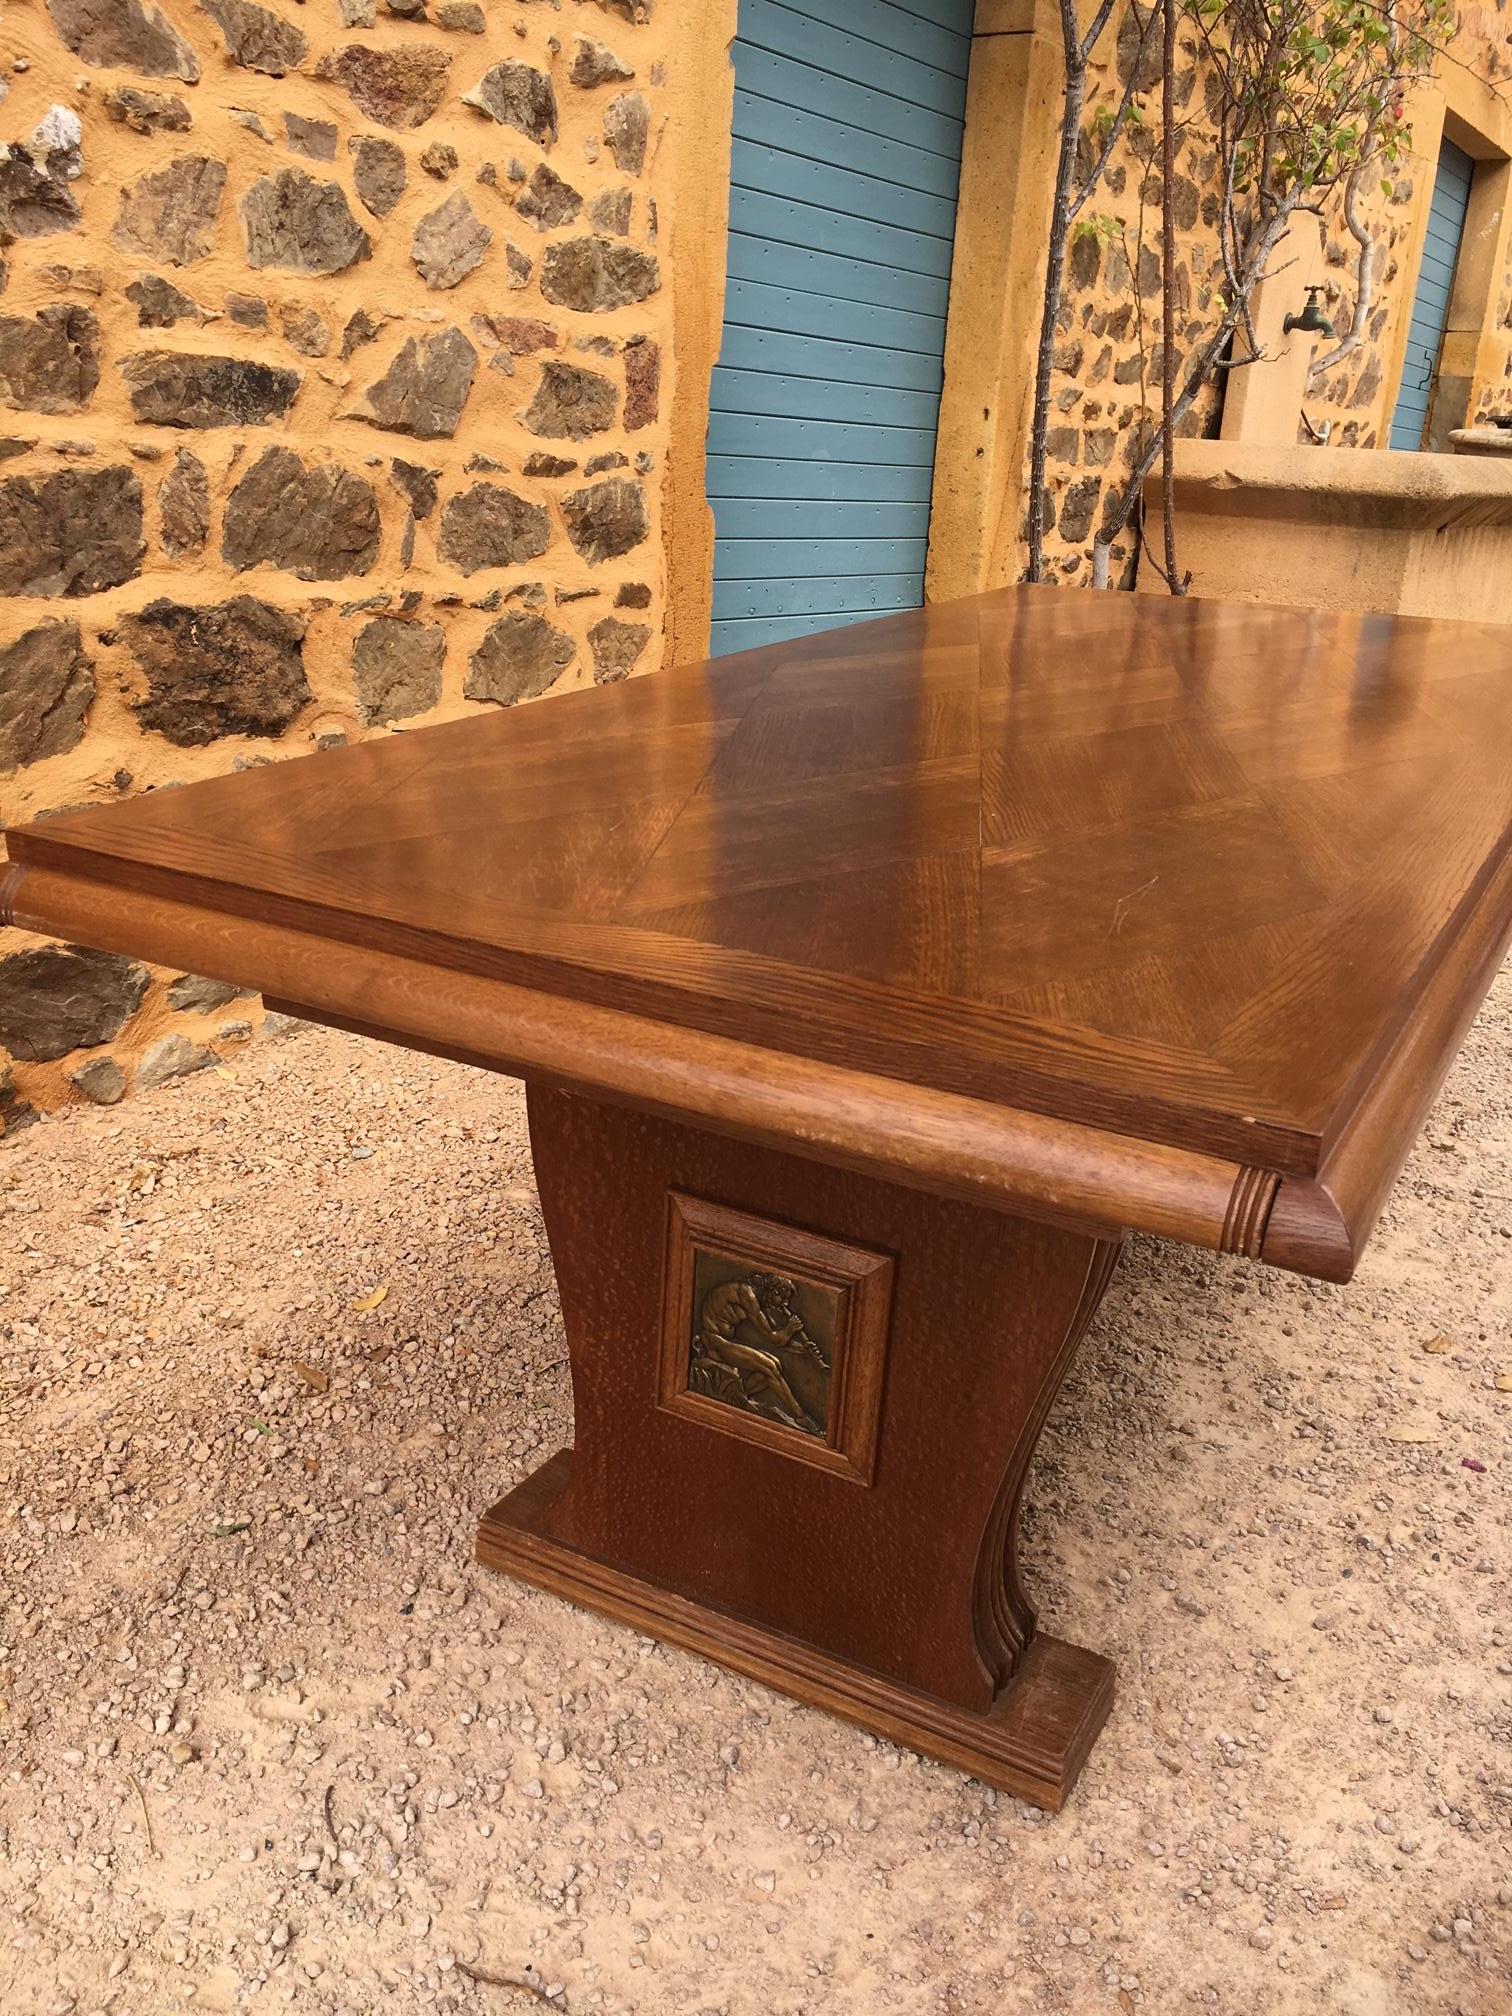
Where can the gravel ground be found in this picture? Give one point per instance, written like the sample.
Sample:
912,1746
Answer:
268,1739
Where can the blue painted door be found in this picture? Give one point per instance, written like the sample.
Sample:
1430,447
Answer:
1430,305
823,407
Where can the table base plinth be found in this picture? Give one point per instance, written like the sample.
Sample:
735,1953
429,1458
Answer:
805,1401
1031,1741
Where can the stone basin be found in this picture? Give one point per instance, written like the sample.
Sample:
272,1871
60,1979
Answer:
1342,528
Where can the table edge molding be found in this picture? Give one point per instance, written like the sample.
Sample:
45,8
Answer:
1320,1226
1058,1171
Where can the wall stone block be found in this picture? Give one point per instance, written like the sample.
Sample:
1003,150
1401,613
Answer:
398,88
160,305
50,361
547,201
72,533
290,220
616,646
314,138
101,1080
627,126
416,485
194,994
362,328
397,666
234,668
518,335
170,1057
256,38
36,200
177,388
124,35
571,403
489,526
379,172
170,214
424,390
304,331
147,111
606,519
521,657
184,507
514,94
595,274
15,1112
46,686
1077,507
642,383
449,243
440,160
594,64
54,999
314,520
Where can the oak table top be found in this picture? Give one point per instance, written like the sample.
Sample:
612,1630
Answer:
1193,894
867,989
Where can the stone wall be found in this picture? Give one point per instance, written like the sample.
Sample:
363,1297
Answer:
1110,327
331,346
1108,359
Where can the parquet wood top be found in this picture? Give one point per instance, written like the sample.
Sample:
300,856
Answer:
1180,869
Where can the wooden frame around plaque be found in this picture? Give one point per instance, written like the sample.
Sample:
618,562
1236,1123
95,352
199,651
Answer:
735,1283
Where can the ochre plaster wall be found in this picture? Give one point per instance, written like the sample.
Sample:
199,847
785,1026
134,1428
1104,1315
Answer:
286,456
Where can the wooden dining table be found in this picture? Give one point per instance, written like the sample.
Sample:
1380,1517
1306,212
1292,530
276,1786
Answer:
868,989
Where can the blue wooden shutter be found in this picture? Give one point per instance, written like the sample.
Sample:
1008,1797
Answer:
823,408
1430,305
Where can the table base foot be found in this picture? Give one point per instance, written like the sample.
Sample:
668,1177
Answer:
1032,1741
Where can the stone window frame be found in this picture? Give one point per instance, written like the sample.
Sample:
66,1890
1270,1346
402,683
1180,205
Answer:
1457,106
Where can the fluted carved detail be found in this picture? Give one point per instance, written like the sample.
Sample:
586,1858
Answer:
1004,1616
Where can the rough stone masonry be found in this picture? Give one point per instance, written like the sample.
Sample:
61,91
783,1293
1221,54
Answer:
331,345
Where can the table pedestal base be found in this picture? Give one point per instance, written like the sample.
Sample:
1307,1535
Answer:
805,1405
1031,1741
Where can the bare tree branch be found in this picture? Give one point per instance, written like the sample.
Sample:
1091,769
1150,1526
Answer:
1365,273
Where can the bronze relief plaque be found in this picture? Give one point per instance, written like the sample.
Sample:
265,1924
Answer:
762,1342
774,1334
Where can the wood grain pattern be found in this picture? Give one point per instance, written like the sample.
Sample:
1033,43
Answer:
1182,873
1189,876
1032,1741
1057,1172
912,1580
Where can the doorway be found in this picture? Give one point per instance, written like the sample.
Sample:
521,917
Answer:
824,405
1430,304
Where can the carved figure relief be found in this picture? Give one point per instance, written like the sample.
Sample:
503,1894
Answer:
752,1346
774,1334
